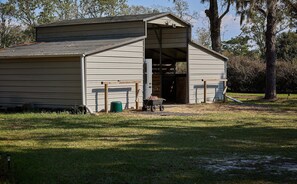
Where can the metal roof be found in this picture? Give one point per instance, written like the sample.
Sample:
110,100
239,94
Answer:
86,47
126,18
101,20
65,48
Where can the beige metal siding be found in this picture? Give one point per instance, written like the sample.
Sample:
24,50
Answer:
44,82
171,38
90,32
168,21
123,63
203,65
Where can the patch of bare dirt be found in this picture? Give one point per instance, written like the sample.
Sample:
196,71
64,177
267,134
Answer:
198,109
271,164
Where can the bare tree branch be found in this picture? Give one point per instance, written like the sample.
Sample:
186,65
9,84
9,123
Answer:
226,11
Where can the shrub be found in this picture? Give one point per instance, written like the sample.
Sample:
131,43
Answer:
248,75
286,77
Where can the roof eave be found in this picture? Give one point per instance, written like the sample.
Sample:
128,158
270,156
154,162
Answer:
45,26
41,56
185,23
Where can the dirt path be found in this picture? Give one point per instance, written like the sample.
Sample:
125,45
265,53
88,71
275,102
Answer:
198,109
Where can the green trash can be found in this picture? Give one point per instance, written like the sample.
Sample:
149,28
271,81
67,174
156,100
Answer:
116,106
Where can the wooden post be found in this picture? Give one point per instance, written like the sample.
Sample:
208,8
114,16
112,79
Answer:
8,162
225,91
136,95
106,97
205,91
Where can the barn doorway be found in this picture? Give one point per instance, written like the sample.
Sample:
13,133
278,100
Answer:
167,46
169,77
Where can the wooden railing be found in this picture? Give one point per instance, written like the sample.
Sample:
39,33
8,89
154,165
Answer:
106,83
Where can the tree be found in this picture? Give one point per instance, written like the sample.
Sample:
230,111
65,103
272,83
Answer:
292,12
134,10
5,17
255,31
181,9
215,21
67,9
10,34
33,12
100,8
203,37
238,46
255,27
269,10
287,46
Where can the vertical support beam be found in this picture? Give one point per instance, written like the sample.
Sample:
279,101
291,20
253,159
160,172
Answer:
8,162
106,97
159,37
205,91
160,62
83,80
188,65
225,91
136,95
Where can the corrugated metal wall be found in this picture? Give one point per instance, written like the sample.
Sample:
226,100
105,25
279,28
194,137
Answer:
205,66
123,63
90,32
44,82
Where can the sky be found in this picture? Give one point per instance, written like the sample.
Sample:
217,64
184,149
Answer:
230,25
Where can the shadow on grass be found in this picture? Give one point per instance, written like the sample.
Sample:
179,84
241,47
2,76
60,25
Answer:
170,156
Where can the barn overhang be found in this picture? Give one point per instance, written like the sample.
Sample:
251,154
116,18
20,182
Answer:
64,49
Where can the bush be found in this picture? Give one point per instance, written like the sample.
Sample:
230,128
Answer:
286,77
248,75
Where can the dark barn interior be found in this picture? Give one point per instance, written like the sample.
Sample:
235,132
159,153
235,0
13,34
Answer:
169,75
167,46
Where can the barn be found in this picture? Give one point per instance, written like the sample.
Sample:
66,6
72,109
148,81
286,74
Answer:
72,60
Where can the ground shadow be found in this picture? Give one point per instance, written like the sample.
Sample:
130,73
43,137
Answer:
173,155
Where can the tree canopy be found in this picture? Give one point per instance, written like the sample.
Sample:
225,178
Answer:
287,46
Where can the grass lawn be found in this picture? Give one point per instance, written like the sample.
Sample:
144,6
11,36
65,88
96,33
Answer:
255,142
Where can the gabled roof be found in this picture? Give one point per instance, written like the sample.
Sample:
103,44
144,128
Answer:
102,20
65,48
210,51
87,47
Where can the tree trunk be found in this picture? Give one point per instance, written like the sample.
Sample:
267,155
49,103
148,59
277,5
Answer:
215,25
270,92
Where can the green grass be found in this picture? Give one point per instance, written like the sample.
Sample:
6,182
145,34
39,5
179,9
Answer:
284,102
125,148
